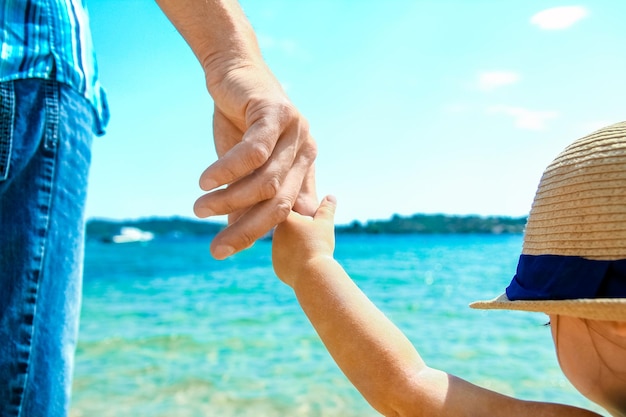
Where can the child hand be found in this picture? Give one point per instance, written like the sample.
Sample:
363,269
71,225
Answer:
300,239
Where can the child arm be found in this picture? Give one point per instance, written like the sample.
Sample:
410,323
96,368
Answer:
370,350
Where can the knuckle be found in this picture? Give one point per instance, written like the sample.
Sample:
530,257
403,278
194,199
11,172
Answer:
258,154
281,210
219,202
288,112
270,188
309,149
246,239
226,173
291,119
225,208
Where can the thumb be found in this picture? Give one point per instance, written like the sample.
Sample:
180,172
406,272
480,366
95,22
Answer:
326,210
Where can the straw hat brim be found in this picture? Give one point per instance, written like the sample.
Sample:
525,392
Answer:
611,309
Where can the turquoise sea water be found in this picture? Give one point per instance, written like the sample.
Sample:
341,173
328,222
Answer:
168,331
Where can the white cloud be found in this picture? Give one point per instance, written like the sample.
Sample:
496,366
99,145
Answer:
558,18
494,79
525,118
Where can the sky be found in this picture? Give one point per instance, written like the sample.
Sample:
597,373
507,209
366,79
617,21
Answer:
417,106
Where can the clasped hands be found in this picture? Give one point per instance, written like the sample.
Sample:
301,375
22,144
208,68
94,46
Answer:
265,157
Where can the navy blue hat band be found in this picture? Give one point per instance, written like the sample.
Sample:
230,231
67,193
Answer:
555,277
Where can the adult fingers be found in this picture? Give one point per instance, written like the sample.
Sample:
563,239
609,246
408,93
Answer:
255,148
262,217
307,201
264,183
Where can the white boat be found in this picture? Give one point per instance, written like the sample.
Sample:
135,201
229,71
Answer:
132,234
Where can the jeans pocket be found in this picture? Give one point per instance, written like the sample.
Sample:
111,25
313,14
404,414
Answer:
7,112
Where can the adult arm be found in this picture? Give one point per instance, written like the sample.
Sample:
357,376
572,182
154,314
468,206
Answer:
371,351
265,150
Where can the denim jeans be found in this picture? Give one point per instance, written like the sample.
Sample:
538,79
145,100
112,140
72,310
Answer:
45,152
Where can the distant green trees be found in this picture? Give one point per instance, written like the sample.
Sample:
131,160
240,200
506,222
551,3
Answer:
438,224
415,224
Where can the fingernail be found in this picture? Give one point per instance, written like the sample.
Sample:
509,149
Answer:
208,185
223,252
201,211
207,212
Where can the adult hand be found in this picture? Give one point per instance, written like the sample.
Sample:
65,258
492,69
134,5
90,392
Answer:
265,155
263,143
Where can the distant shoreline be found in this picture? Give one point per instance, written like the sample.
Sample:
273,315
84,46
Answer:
102,229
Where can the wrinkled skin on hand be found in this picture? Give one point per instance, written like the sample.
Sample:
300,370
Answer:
265,152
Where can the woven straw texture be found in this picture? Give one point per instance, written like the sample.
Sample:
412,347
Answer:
580,205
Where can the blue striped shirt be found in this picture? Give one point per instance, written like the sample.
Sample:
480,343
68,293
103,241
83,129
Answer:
51,39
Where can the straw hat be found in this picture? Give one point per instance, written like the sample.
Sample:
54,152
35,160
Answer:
573,259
